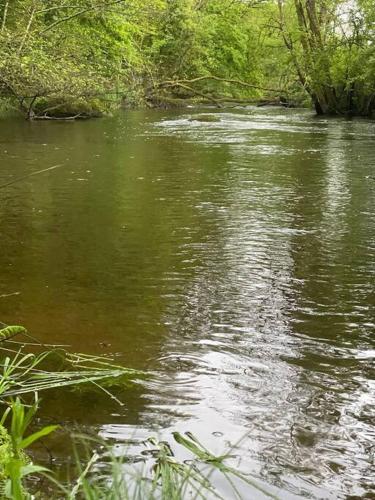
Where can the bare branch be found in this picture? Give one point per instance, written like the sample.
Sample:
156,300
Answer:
27,30
172,83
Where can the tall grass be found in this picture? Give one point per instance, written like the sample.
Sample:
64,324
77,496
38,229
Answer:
104,475
15,466
23,372
119,477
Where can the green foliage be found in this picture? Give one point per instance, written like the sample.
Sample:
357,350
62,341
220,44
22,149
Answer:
15,466
6,454
62,59
331,45
11,331
26,373
218,38
58,56
114,476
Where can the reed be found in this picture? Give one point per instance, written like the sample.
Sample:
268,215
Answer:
23,372
103,475
112,477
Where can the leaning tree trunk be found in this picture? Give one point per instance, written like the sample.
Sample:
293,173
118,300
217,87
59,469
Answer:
316,61
313,53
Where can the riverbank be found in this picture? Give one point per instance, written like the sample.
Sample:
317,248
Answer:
83,110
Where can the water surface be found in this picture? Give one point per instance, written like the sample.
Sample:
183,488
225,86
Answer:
232,254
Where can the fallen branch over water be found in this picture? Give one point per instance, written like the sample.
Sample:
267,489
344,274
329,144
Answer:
184,89
60,118
173,83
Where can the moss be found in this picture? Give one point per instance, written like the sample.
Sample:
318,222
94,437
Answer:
8,461
69,107
6,452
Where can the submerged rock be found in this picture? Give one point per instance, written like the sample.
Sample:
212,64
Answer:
205,118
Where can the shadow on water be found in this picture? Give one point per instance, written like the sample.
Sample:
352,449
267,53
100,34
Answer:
233,257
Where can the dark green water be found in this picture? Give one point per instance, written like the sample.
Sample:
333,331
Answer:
233,258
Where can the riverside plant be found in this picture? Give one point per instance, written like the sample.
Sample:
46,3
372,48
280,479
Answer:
107,476
15,466
23,373
115,478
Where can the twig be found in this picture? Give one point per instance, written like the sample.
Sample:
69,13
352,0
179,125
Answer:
9,295
77,486
27,30
29,175
5,15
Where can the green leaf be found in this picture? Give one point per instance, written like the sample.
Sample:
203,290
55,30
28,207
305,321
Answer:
11,331
190,445
37,435
32,469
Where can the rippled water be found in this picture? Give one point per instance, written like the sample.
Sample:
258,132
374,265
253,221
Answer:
230,253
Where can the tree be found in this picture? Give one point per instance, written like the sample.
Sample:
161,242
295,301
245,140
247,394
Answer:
331,45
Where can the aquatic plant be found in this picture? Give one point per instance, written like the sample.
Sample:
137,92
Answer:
15,466
8,332
113,477
23,372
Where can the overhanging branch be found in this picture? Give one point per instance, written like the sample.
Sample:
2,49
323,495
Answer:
176,83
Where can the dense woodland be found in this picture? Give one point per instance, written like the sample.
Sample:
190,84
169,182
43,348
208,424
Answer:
80,58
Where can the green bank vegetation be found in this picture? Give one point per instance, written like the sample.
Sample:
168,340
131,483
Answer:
81,58
25,373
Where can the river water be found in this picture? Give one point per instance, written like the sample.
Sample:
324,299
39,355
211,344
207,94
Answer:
229,253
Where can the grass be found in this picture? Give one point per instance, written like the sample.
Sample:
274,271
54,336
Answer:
102,475
107,476
25,373
15,465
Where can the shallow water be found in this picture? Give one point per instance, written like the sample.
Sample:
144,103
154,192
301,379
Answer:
234,259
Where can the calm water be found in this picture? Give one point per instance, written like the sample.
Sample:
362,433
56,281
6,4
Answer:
234,259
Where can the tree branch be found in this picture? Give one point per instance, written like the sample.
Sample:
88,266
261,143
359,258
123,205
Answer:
27,30
197,92
173,83
4,15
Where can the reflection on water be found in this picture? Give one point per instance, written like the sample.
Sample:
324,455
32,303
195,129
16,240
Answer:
234,258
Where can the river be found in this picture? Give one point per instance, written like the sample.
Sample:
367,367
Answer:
231,254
